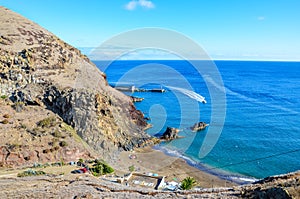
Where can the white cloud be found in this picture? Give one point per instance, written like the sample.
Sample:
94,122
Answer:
146,4
261,18
133,4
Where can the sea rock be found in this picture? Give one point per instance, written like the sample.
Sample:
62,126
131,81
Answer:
199,126
136,99
170,134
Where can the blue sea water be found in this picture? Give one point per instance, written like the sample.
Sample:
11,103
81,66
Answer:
261,133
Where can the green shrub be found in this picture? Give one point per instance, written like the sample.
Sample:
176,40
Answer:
37,165
47,122
14,146
46,165
63,143
5,121
188,183
97,170
31,173
57,134
46,151
6,116
3,96
131,168
80,160
58,164
101,168
107,169
56,148
23,126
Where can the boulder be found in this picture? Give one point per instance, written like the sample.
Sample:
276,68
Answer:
170,134
199,126
136,99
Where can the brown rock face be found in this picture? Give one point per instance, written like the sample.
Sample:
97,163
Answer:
40,74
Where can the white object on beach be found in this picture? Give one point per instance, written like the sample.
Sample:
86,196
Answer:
136,182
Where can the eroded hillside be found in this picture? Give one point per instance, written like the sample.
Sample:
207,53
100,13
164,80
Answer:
42,77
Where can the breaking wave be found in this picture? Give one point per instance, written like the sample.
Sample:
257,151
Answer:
191,94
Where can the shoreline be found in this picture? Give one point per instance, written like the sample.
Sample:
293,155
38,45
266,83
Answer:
235,178
150,160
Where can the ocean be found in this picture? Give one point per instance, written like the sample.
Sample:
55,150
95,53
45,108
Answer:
261,131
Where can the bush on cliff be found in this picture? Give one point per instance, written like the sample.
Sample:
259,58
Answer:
47,122
57,134
5,121
31,173
101,168
131,168
3,96
63,143
6,116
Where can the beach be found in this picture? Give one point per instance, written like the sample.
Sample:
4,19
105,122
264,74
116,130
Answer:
147,160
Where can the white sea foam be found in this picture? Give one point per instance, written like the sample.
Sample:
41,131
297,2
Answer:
243,179
189,93
236,178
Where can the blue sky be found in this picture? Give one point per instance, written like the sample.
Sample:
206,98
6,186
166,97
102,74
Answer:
226,29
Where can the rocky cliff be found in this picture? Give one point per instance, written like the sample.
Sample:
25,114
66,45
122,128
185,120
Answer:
45,80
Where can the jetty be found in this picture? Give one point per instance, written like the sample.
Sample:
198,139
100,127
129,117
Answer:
134,89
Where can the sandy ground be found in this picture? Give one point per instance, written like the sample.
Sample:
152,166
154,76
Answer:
145,160
148,160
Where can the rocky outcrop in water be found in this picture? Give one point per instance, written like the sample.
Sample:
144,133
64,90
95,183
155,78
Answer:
137,99
199,126
170,134
40,74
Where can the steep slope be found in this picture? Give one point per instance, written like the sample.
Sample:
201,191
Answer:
40,77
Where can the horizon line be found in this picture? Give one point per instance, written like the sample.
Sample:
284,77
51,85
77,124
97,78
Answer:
213,57
246,60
